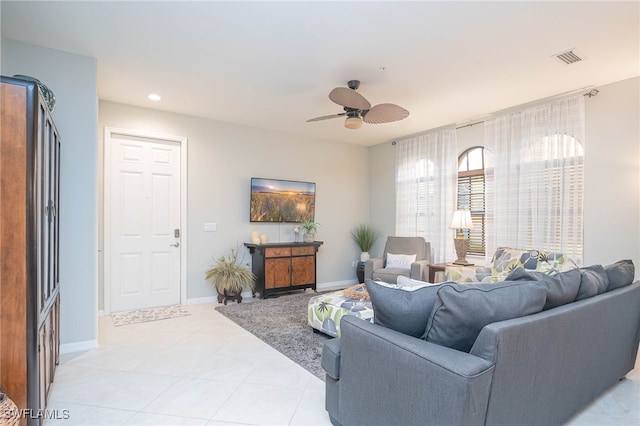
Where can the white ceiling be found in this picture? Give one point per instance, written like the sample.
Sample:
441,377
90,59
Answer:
272,64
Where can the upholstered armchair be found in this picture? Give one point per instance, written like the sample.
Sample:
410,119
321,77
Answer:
398,259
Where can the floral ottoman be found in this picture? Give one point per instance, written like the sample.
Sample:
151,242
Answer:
326,310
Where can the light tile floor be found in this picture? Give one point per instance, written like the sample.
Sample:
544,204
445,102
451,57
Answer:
203,369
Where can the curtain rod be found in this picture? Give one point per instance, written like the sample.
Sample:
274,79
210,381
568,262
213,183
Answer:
591,93
469,125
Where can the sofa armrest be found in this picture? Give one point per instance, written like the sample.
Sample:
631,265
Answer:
419,270
371,265
330,360
452,386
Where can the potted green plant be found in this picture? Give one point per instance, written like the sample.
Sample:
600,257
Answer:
364,236
309,228
229,276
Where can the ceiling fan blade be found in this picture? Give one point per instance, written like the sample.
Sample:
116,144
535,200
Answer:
349,98
326,117
385,113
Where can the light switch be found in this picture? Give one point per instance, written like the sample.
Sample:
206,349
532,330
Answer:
210,227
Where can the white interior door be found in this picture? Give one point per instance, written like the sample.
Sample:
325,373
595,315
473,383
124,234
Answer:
144,216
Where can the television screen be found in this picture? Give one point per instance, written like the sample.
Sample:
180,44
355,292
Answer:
274,200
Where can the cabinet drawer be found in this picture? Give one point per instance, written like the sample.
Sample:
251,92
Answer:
277,252
300,251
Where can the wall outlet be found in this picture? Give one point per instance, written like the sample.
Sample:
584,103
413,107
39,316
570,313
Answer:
210,227
354,263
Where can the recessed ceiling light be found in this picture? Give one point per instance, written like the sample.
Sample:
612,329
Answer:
154,97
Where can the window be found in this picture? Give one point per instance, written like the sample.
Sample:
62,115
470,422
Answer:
425,189
553,177
471,196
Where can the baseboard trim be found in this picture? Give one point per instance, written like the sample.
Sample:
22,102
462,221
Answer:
199,300
336,285
66,348
328,286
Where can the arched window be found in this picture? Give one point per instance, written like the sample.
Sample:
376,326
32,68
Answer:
471,196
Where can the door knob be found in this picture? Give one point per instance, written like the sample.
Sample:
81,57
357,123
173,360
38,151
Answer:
175,245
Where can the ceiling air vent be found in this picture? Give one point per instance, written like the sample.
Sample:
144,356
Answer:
569,57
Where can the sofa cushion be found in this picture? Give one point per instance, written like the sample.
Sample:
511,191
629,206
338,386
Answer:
620,274
593,281
462,310
400,261
561,288
404,309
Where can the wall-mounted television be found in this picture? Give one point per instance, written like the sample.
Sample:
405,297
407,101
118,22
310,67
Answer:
275,200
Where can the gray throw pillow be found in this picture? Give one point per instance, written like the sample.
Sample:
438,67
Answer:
593,281
462,310
403,309
562,288
620,274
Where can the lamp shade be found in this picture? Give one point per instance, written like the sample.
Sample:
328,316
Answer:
353,122
461,220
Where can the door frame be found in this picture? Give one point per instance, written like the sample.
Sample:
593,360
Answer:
109,132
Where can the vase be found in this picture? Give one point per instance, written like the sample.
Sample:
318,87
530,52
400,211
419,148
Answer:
364,256
308,238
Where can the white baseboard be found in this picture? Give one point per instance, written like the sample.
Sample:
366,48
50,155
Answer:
101,313
333,285
85,345
199,300
336,285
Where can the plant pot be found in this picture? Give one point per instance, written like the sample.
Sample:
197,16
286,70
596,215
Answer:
364,256
309,238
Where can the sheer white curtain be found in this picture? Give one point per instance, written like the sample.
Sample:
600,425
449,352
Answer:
535,187
426,181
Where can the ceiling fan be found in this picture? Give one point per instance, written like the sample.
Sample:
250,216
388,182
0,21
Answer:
358,110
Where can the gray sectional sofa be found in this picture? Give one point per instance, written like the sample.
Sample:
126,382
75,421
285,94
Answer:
470,365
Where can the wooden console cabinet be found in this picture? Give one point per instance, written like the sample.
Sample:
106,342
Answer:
29,279
283,266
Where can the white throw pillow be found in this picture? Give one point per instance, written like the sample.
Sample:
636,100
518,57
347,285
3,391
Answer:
410,282
400,261
405,287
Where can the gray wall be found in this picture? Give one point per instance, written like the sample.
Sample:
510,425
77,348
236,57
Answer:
73,80
223,157
612,175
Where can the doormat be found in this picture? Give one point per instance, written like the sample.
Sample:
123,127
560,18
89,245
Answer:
146,315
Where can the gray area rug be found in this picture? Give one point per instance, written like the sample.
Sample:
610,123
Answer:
282,323
145,315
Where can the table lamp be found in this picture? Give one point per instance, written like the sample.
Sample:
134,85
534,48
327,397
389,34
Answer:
461,220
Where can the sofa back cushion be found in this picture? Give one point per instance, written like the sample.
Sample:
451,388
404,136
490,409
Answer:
594,280
460,311
400,308
561,288
620,274
407,245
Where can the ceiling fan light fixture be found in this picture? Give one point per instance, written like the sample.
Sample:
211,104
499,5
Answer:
353,123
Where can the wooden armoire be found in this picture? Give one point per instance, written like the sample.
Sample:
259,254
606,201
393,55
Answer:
29,281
